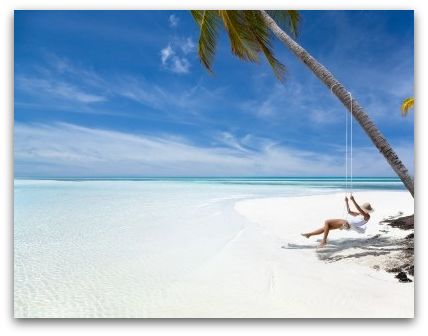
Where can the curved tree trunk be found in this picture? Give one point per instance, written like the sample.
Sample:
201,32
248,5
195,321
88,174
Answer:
343,95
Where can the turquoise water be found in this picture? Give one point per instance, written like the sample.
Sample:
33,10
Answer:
109,247
358,183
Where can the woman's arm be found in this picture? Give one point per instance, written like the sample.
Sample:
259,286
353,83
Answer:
365,214
353,213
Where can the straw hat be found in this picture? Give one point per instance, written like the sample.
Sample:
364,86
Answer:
367,207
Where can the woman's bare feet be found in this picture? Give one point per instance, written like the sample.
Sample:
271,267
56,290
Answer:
322,244
307,235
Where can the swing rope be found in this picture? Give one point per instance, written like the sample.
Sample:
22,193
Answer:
352,145
348,186
346,154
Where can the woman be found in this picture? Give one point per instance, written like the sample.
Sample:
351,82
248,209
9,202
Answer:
355,221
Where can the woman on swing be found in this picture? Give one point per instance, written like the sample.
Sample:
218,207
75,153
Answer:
354,221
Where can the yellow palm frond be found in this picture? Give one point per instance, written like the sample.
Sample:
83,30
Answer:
407,104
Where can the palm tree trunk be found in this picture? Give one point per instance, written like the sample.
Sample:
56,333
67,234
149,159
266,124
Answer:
351,104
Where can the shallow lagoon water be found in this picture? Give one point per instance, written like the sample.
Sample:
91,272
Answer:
111,247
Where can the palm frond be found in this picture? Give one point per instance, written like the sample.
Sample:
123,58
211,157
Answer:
207,21
289,20
294,21
407,104
260,33
240,42
248,33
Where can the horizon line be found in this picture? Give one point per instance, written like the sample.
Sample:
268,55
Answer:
200,177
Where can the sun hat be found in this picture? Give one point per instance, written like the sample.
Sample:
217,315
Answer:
367,207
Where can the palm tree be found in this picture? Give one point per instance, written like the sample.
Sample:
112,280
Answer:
249,33
407,104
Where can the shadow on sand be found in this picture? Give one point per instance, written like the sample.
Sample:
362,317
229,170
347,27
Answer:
342,248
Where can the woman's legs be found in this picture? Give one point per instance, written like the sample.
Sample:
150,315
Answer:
314,233
329,224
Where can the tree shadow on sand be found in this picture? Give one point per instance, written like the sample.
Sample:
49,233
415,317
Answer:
343,248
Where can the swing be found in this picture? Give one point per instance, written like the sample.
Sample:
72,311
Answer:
348,183
359,219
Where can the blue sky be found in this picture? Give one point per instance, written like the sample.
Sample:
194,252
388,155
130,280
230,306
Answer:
122,93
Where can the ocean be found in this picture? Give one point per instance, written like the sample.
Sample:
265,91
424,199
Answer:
88,247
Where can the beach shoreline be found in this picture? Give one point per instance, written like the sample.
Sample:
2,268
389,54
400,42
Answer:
218,251
368,255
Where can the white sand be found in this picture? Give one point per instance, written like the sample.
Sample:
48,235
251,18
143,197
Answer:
216,251
269,270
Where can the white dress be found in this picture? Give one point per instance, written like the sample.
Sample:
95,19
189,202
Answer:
357,223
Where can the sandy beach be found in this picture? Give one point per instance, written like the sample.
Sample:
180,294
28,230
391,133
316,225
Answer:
219,250
268,270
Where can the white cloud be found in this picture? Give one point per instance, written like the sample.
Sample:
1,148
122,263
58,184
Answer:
187,46
58,88
179,104
180,65
67,150
174,57
173,62
173,21
62,65
140,92
166,53
63,85
231,141
367,160
61,80
278,101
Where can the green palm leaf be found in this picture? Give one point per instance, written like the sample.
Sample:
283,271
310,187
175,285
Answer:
248,34
260,33
241,43
208,23
288,20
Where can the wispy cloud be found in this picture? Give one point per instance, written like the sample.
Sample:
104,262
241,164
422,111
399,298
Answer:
180,65
67,69
187,45
58,88
173,20
140,91
293,101
231,141
63,85
166,54
180,103
65,149
174,57
58,81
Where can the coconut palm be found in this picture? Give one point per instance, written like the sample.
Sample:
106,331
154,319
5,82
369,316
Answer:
250,36
407,104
